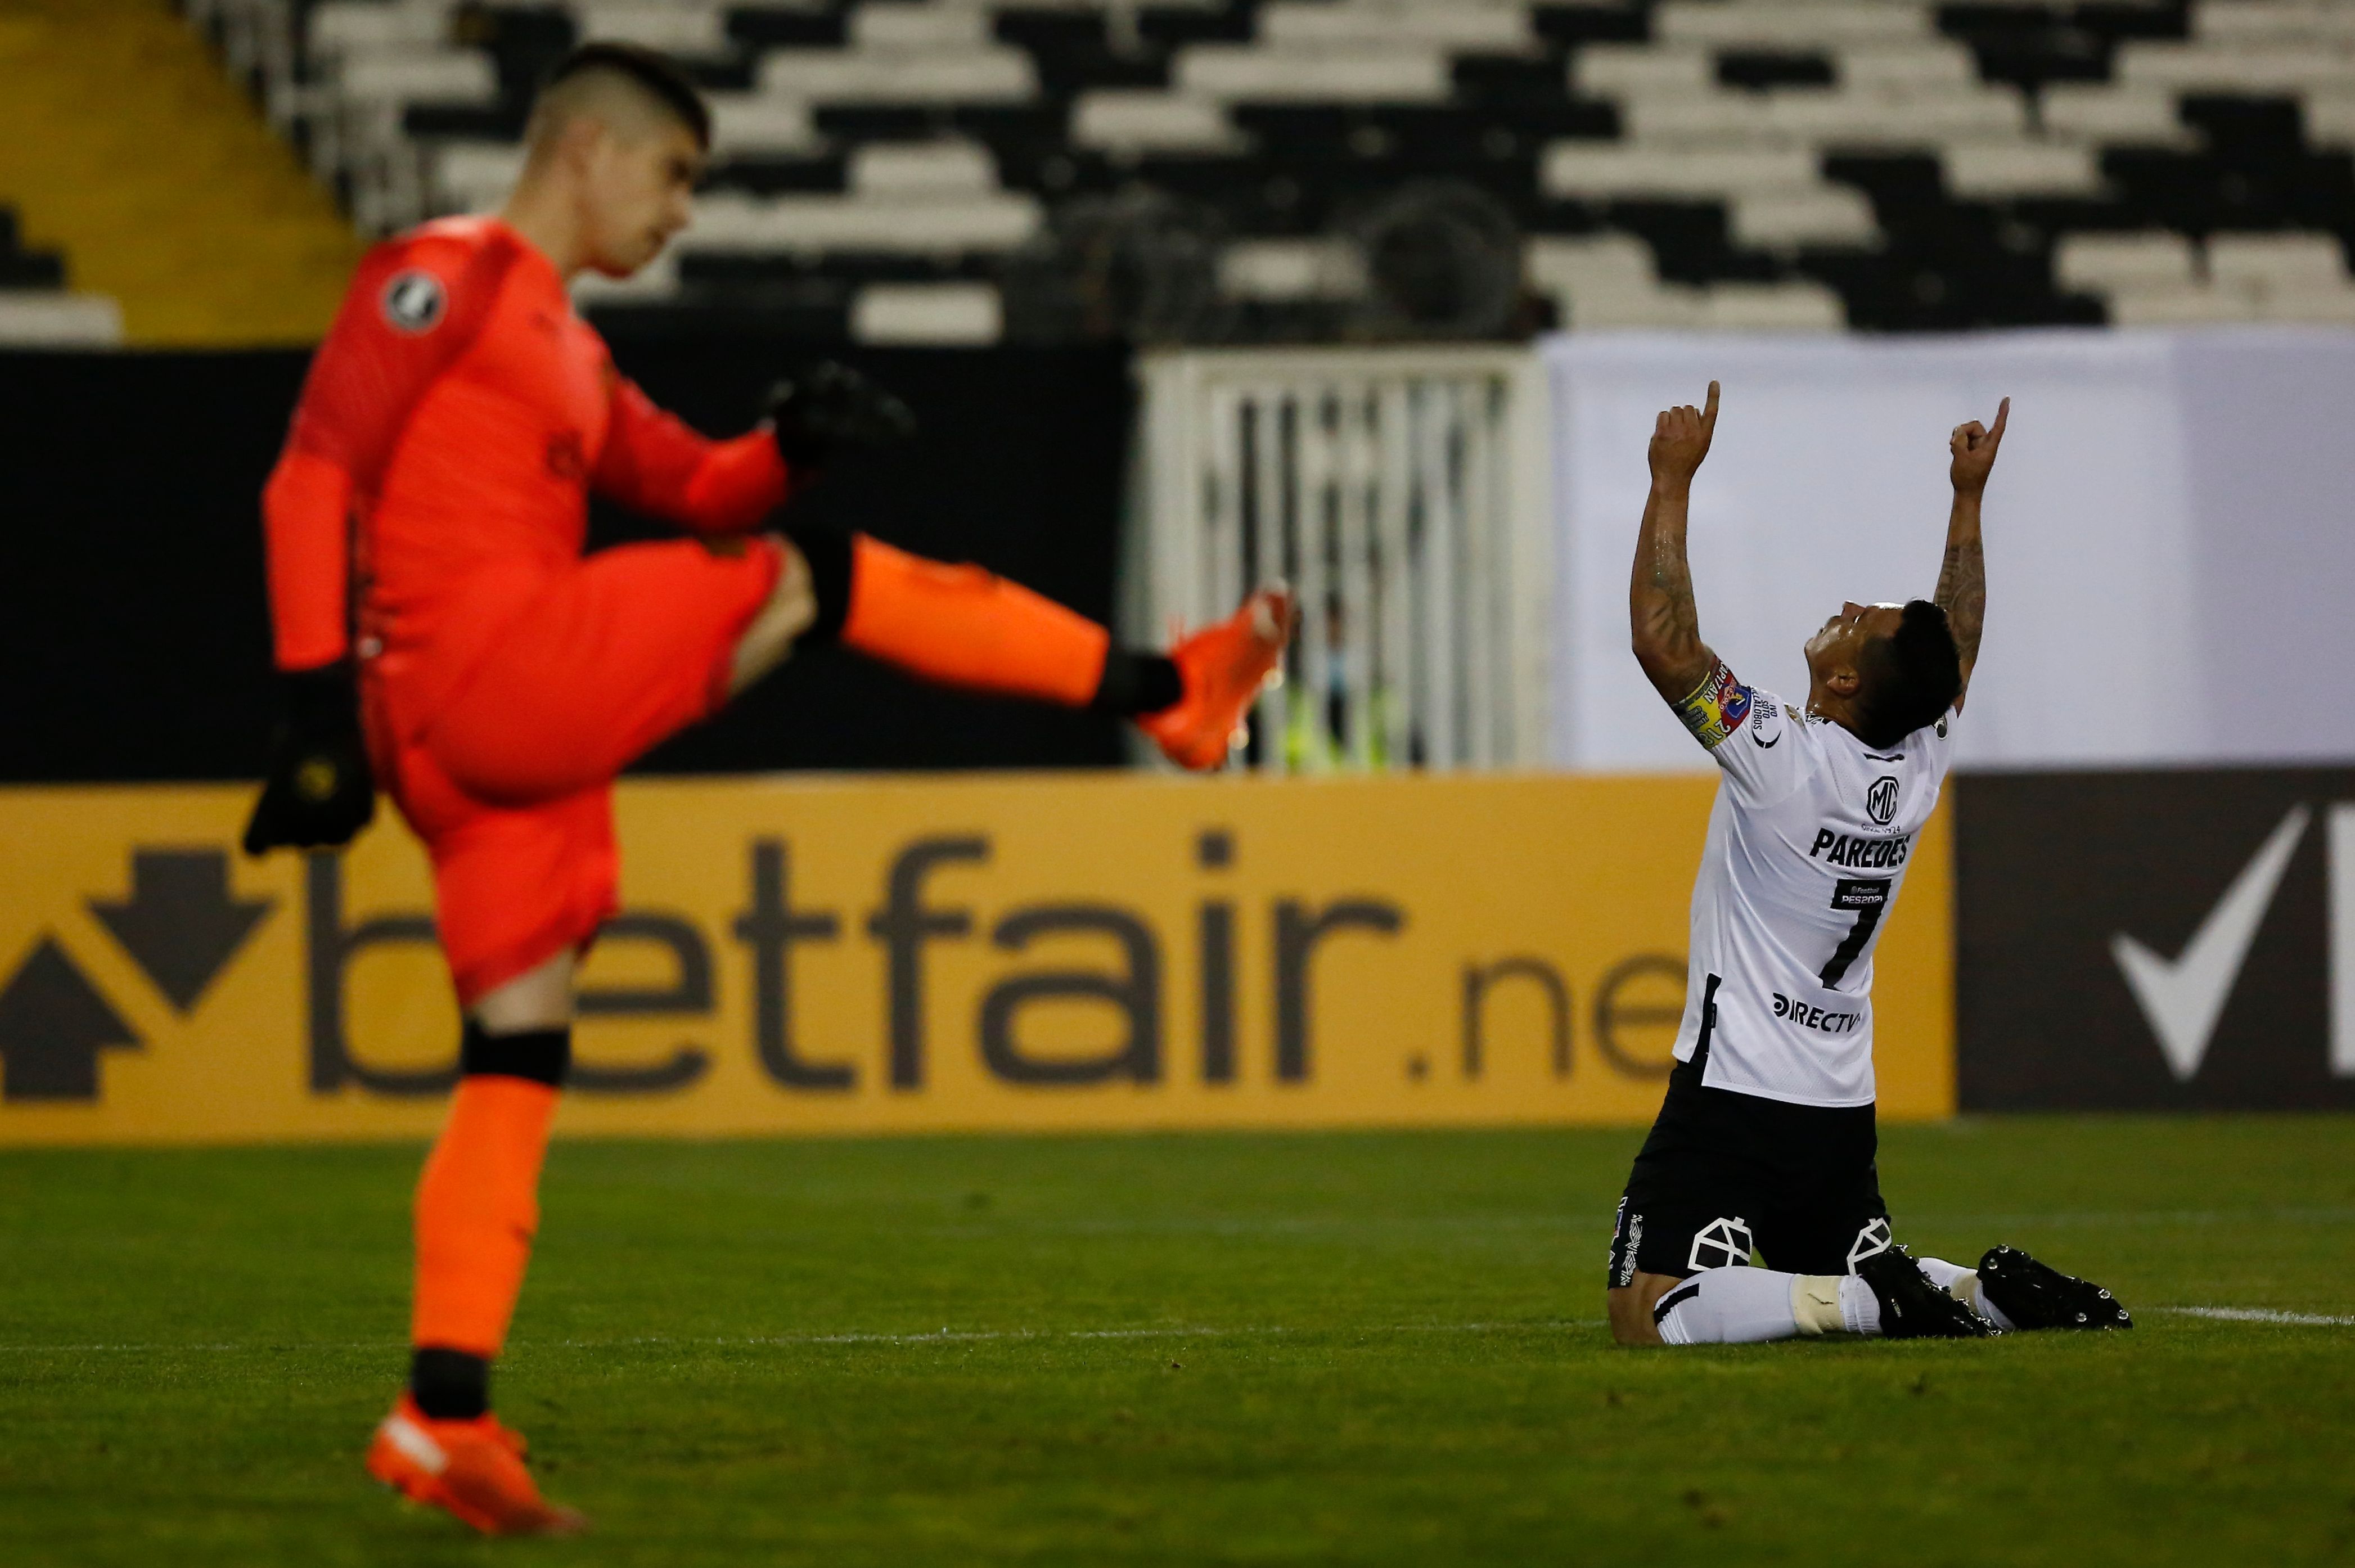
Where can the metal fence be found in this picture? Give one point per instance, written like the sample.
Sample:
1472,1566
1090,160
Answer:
1403,494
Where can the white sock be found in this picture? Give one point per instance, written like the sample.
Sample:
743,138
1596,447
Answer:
1732,1306
1942,1275
1963,1284
1860,1309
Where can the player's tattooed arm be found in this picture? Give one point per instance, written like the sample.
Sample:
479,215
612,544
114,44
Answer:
1962,582
1664,624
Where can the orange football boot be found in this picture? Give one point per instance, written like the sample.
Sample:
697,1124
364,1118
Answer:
473,1468
1224,667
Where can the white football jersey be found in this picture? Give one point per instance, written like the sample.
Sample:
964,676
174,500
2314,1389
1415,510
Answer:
1809,842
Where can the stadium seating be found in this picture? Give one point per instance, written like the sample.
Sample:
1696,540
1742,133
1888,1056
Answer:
1788,165
36,311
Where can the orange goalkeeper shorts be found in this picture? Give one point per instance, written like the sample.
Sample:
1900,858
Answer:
508,776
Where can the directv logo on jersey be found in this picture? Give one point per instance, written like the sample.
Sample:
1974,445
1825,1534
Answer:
1800,1013
1848,852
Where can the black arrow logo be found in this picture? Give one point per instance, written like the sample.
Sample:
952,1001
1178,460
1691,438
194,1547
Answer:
180,924
53,1024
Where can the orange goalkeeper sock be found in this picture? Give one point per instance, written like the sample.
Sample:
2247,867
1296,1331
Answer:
478,1207
959,625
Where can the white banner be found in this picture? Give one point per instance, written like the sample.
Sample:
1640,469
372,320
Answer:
2168,531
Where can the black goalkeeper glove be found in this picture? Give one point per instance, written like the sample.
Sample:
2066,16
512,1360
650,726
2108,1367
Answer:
319,791
830,409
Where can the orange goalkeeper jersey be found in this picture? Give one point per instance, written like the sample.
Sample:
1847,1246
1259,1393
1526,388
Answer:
438,469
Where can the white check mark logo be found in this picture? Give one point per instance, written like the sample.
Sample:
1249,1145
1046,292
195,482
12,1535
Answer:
2183,999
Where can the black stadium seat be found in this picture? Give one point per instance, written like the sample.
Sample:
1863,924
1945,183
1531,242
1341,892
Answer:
23,269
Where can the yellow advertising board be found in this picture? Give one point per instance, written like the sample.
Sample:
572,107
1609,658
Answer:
859,955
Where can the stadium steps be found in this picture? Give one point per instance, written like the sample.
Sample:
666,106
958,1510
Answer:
125,145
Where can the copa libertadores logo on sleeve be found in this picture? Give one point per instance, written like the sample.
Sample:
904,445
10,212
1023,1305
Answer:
1716,708
415,301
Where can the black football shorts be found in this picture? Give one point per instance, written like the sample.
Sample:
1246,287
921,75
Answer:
1724,1173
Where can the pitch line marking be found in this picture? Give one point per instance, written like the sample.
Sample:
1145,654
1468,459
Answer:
2261,1315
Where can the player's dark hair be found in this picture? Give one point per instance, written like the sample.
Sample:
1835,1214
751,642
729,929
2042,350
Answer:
1911,676
658,73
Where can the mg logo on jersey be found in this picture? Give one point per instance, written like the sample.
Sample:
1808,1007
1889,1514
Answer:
1880,800
414,302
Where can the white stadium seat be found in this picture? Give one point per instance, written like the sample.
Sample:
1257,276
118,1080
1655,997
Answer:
1937,63
2203,68
1696,116
2092,112
946,315
1977,170
1241,71
754,123
2269,263
2100,263
1599,260
1770,24
817,224
2187,304
2246,22
417,76
1464,27
1910,119
1655,307
854,76
2334,307
1589,169
1797,306
923,169
1612,70
1126,122
1819,117
1782,220
928,29
475,176
2284,277
2330,115
677,27
1292,270
341,27
1604,281
40,319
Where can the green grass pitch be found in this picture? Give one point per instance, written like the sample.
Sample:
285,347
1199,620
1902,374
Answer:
1355,1348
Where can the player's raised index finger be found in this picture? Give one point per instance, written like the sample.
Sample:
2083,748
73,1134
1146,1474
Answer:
2002,414
1708,414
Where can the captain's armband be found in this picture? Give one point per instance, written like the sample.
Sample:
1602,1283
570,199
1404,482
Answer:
1715,708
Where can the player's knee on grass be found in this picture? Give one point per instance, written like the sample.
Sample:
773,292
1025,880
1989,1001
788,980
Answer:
1630,1307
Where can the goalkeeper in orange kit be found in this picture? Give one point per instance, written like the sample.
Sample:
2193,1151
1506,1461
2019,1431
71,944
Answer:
439,632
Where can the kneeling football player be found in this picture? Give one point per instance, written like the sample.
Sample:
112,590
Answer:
1765,1141
436,480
